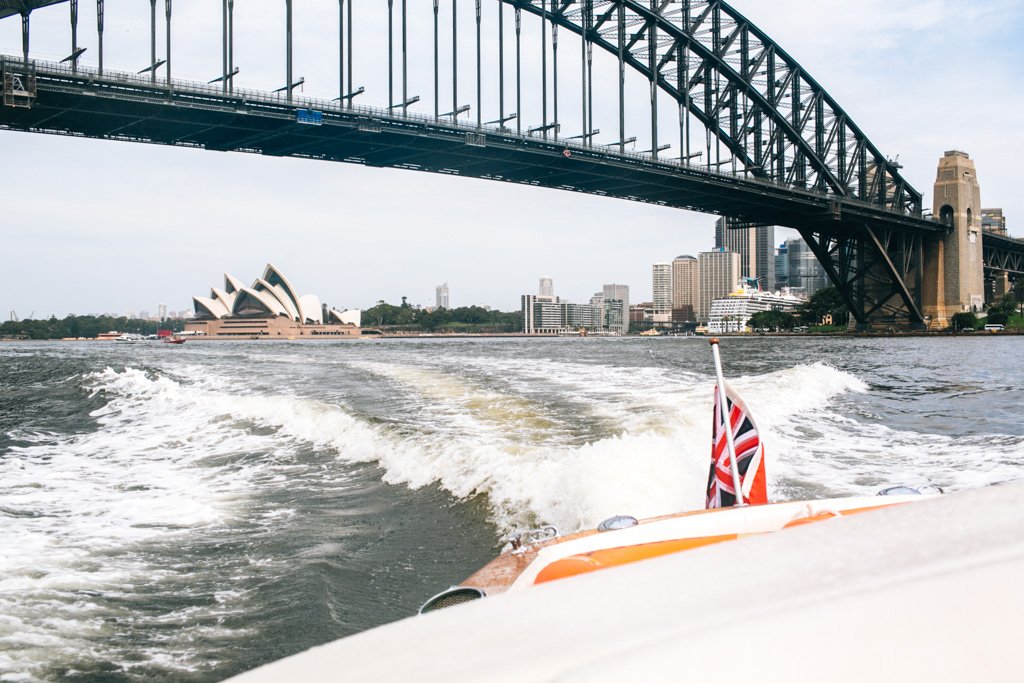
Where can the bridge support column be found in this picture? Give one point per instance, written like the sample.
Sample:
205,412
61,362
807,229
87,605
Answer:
953,265
288,49
167,13
99,32
74,35
25,33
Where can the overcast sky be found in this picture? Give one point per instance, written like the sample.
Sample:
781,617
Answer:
90,226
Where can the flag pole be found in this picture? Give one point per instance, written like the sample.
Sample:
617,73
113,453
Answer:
727,423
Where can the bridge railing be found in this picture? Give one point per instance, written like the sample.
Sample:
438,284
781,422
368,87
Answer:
217,96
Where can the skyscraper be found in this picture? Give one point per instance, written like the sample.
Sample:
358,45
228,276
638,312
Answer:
739,240
617,322
685,288
782,266
719,274
162,312
765,256
661,274
441,293
754,243
805,272
547,287
993,220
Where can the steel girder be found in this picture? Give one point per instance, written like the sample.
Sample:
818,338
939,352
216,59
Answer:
776,121
877,271
11,7
1003,254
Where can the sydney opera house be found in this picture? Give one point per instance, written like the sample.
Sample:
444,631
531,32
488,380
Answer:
270,309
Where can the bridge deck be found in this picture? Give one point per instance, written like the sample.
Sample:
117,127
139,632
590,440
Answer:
9,8
122,106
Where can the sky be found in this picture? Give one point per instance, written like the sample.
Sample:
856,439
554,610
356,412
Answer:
90,226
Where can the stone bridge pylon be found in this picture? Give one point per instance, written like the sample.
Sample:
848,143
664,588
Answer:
953,278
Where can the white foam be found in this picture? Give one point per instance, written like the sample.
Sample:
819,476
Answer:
567,443
78,508
654,462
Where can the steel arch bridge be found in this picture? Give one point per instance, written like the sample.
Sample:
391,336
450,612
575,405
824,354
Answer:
757,138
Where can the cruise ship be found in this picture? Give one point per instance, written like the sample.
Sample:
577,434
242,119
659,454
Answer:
733,312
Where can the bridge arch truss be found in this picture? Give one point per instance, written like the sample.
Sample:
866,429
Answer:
775,146
774,120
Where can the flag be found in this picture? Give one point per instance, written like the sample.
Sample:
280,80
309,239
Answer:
749,454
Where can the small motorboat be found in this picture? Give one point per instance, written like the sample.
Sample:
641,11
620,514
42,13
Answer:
737,465
174,340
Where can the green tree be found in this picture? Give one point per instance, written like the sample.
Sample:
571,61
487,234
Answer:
824,302
964,321
773,320
998,317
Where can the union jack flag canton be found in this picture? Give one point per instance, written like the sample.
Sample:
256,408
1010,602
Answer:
749,454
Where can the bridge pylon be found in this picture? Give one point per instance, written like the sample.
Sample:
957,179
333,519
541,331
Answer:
953,269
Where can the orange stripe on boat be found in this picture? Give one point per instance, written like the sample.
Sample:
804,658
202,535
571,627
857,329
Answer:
613,557
833,514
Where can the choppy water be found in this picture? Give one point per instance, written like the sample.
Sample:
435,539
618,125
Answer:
187,513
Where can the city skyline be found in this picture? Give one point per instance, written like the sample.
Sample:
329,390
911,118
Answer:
90,241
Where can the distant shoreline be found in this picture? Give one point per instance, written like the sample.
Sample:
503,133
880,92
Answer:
519,335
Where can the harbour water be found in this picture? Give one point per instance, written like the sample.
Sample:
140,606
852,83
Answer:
188,513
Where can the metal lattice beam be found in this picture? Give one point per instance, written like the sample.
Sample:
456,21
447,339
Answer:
876,270
1002,253
773,119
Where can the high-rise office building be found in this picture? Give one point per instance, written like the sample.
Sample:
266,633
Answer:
805,272
781,266
619,293
541,314
661,282
616,316
441,296
754,243
162,312
765,256
993,220
547,287
739,240
719,275
685,288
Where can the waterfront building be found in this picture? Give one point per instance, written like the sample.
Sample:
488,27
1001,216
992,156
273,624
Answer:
577,317
549,315
685,288
719,273
642,314
616,316
618,293
541,314
732,313
993,220
805,272
661,281
441,296
270,308
547,287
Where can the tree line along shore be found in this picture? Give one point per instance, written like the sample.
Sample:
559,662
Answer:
824,305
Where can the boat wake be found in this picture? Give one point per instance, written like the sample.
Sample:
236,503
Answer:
190,456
